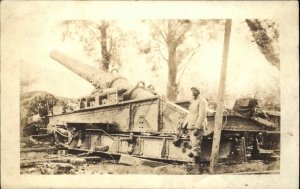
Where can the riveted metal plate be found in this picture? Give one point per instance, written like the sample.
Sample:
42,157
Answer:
152,147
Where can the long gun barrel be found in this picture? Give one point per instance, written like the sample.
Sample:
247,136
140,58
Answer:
99,78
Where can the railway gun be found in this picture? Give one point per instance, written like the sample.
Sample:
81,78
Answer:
118,118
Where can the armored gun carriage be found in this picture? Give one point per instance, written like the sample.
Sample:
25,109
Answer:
118,118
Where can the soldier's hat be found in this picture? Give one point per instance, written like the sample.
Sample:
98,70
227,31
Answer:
195,88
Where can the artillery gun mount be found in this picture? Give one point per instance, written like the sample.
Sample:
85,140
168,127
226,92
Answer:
118,119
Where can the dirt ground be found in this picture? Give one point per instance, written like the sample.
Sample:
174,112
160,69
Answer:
52,162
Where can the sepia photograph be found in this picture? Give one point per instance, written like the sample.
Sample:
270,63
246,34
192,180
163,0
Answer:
161,96
146,98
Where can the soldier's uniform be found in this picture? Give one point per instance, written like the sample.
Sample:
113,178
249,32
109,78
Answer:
197,122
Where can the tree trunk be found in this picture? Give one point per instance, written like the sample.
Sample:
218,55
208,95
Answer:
264,42
172,73
172,66
104,51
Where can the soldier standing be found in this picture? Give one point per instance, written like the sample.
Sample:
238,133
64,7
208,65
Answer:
197,122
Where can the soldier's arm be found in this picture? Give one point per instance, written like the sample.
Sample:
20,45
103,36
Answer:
201,115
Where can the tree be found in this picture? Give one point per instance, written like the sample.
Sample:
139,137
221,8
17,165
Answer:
173,39
95,37
106,55
266,35
179,40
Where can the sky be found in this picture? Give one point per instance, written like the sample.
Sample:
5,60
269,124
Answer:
29,35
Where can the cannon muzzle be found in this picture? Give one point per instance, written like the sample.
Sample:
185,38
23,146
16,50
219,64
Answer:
100,79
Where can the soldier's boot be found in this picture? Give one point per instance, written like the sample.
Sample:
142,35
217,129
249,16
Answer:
196,156
177,140
196,160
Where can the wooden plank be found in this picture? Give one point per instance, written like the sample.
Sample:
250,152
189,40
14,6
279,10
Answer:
131,160
220,104
40,149
92,158
273,113
257,172
72,160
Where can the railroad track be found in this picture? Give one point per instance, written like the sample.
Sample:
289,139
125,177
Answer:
256,172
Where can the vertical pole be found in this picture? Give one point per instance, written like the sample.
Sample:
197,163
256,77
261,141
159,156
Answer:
242,147
219,114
